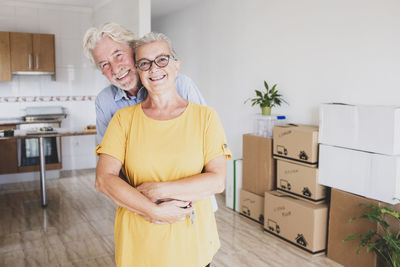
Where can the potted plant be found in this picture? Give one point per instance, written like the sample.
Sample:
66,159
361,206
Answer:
268,99
385,243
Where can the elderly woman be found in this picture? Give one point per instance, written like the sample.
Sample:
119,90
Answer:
174,155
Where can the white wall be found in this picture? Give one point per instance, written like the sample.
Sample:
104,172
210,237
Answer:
317,51
133,14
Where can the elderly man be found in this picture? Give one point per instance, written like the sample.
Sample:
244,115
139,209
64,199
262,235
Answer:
110,49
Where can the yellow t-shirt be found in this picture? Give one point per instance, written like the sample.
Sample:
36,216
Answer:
157,151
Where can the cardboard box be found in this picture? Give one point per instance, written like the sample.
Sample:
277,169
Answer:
252,206
233,184
345,206
300,223
299,180
296,143
362,127
371,175
258,164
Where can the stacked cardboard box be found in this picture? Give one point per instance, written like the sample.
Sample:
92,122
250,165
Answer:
258,175
297,212
345,206
297,222
296,148
252,206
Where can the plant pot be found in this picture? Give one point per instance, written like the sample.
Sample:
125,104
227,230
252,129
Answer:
266,110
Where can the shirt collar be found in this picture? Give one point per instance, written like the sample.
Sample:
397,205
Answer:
121,94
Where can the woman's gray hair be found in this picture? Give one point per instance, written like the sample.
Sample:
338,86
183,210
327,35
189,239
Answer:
110,29
155,37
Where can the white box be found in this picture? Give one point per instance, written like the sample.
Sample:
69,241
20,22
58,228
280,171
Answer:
233,184
362,127
371,175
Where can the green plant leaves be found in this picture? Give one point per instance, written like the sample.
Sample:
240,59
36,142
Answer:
351,237
269,98
387,244
266,85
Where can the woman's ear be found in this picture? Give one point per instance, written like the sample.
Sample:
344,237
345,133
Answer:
178,64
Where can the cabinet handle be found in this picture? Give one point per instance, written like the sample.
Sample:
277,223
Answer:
37,61
30,61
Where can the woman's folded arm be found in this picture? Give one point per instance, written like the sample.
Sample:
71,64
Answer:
192,188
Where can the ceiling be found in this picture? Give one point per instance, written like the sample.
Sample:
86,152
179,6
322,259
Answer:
158,7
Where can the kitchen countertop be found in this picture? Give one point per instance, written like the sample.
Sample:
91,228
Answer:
57,132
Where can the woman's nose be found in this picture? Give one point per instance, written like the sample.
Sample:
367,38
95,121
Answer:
153,67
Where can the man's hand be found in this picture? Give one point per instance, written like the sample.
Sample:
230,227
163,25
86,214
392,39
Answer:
177,203
150,190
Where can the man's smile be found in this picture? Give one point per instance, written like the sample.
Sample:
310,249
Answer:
120,77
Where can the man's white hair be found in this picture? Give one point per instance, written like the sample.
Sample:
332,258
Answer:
113,30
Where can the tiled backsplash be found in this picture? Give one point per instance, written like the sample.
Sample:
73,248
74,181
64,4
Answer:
18,99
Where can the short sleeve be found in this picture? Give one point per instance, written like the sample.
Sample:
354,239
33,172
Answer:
114,140
215,140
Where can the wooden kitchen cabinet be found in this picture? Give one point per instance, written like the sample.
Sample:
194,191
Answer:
32,52
5,61
8,153
43,49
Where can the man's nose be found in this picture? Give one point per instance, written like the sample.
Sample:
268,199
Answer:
115,67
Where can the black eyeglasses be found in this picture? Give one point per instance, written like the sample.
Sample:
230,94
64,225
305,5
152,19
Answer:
160,61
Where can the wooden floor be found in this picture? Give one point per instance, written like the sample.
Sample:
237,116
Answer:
76,229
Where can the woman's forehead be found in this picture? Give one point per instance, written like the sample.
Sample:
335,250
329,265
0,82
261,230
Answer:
152,50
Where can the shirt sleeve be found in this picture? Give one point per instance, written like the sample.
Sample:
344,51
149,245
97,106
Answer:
101,121
188,90
114,140
215,140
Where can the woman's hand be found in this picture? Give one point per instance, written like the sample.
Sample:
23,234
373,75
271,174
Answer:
172,211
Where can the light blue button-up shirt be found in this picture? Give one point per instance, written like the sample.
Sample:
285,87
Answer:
112,98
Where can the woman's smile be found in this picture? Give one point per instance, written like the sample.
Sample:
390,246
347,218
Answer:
157,78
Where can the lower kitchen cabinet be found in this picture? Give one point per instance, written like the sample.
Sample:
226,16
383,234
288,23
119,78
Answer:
36,168
10,156
8,153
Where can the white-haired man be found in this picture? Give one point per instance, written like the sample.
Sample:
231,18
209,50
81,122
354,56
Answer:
110,49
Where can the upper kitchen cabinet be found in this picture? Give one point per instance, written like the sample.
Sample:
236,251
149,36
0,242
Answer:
43,49
32,53
5,66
